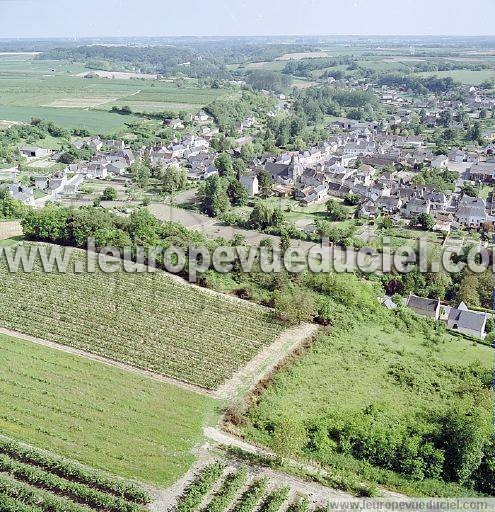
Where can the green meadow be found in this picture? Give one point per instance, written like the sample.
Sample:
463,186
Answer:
101,416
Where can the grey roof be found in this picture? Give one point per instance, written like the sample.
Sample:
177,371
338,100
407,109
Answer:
468,319
423,303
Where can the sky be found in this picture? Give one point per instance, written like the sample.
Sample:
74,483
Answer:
95,18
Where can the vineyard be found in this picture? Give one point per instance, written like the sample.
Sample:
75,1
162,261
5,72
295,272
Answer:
220,487
34,480
147,320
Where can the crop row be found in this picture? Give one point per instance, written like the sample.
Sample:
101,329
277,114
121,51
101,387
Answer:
274,500
231,486
8,504
73,471
300,505
251,497
30,496
73,490
200,486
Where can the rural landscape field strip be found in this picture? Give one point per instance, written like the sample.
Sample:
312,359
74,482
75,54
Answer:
144,320
101,416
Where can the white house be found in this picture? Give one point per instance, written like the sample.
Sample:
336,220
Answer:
250,183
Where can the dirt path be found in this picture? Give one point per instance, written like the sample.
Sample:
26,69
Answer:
225,439
107,361
263,363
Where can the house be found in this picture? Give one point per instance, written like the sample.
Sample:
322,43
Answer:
201,117
423,306
250,183
98,170
95,143
72,185
368,210
57,184
310,195
40,182
34,152
483,171
22,193
417,206
471,212
468,322
175,124
117,144
440,162
117,167
390,204
457,156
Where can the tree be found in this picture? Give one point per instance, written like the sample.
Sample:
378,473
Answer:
141,174
224,164
426,221
215,200
336,211
295,306
238,194
352,199
11,208
468,189
468,290
262,215
109,194
278,217
265,184
284,243
462,439
174,179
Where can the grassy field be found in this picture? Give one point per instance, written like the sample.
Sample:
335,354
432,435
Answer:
53,91
464,76
98,415
370,368
144,319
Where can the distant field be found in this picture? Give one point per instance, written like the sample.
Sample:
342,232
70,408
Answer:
52,90
98,415
93,120
465,76
146,320
302,55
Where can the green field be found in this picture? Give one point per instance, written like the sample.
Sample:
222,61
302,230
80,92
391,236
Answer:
51,90
378,377
464,76
144,319
99,415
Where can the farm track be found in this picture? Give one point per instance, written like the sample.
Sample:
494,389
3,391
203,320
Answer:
265,361
109,362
